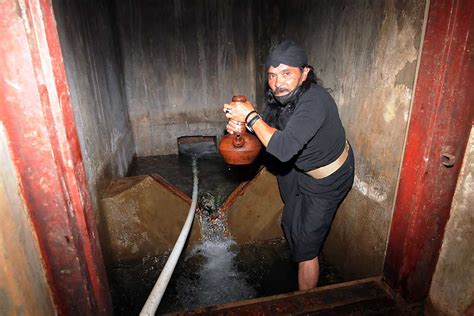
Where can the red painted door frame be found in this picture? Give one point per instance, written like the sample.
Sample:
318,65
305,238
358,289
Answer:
36,113
441,119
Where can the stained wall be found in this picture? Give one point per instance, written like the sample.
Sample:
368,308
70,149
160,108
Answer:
182,61
366,53
92,57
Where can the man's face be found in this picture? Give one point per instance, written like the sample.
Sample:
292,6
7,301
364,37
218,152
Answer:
283,79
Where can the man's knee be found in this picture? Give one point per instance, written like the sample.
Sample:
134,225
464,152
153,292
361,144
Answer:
309,263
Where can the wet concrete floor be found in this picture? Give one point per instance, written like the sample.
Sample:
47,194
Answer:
264,268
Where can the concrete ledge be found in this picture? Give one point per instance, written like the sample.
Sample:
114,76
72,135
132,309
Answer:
254,209
143,216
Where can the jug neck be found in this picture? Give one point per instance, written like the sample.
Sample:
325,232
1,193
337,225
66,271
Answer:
241,129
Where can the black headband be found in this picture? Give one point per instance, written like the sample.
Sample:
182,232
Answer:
287,52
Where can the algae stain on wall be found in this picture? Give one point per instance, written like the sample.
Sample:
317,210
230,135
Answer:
374,95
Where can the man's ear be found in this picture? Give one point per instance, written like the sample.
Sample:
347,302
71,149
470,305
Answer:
306,70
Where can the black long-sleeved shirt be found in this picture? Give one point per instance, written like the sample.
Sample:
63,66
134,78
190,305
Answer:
314,132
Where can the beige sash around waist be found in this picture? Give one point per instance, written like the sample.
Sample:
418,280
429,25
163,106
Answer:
327,170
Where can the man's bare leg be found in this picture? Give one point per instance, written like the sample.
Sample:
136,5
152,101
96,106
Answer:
308,274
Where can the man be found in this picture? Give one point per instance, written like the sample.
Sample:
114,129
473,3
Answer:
302,129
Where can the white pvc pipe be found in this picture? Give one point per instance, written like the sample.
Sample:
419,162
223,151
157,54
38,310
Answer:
154,299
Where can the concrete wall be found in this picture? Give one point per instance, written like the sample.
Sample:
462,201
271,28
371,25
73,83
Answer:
90,48
452,288
366,53
183,60
23,286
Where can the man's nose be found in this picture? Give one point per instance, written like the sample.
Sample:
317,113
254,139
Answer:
280,81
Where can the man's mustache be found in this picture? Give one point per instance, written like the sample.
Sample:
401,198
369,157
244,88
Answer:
280,90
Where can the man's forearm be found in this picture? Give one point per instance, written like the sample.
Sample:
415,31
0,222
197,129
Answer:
263,131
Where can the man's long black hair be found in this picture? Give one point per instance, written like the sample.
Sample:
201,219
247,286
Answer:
277,115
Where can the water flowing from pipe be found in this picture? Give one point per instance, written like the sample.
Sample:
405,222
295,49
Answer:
218,279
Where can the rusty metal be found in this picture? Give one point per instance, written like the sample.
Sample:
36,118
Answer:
448,160
359,297
441,120
37,114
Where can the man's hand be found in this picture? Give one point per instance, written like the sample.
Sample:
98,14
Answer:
237,111
234,126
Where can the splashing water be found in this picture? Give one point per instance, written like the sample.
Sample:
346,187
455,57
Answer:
217,280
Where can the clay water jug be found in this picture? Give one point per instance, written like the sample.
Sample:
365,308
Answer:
240,148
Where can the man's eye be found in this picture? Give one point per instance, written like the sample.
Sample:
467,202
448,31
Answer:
287,74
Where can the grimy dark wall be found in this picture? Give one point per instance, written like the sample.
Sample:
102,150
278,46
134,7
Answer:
183,60
94,71
365,52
